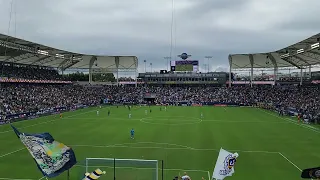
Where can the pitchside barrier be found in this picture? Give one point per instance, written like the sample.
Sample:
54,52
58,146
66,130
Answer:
139,169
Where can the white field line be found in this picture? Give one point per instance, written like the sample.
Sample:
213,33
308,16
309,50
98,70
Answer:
44,177
194,170
68,117
293,122
14,179
290,161
205,120
46,122
180,147
1,156
209,175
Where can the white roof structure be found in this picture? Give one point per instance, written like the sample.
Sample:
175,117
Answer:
15,50
107,63
302,54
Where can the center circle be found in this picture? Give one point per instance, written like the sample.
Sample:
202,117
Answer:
171,120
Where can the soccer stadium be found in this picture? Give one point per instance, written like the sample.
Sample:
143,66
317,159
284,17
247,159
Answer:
67,115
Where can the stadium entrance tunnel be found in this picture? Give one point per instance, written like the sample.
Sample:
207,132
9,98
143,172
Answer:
171,120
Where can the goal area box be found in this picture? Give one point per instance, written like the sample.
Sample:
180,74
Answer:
137,169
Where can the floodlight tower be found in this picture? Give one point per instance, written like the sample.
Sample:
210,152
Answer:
167,58
145,66
208,58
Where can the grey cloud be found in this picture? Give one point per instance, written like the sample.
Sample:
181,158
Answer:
142,28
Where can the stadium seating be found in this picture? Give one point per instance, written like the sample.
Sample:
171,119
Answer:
28,72
21,98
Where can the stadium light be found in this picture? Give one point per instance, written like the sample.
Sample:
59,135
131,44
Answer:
314,46
145,66
300,51
285,55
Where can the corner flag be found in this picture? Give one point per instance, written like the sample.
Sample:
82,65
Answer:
224,165
51,157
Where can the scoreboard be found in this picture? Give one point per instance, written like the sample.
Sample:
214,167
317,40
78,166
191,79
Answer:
186,65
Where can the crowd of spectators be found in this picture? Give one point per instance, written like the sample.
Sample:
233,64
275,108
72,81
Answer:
21,98
29,72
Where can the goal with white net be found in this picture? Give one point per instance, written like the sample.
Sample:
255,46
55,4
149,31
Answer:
136,169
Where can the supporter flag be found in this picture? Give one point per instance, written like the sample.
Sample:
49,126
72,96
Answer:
51,157
224,165
311,173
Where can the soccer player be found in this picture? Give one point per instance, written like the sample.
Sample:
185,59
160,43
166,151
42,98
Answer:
201,115
100,106
60,115
132,133
97,112
129,115
160,108
165,108
185,177
150,110
129,108
108,112
146,112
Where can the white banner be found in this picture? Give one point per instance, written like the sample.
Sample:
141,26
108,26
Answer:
224,165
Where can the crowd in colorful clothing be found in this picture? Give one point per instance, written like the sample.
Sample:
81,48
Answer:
20,98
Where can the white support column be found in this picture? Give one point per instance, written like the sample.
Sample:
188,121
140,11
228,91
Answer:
230,66
251,69
116,60
275,66
275,74
310,71
92,60
301,74
137,73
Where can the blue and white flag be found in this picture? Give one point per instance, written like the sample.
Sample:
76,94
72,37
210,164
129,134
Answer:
51,157
224,165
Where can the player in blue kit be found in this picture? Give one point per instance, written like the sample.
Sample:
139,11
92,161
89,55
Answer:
132,133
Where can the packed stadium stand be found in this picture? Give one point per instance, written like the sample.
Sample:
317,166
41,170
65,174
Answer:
29,72
41,89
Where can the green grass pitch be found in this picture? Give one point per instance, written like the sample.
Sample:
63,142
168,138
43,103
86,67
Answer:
270,147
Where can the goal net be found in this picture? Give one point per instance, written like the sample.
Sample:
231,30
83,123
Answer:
135,169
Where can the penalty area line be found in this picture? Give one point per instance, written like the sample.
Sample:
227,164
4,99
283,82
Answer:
290,161
180,147
14,179
125,167
3,155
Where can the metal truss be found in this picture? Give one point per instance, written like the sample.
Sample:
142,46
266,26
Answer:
111,70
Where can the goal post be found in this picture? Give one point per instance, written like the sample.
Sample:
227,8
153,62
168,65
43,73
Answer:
139,169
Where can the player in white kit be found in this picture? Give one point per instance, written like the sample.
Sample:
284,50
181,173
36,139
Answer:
97,112
129,115
185,177
146,112
201,115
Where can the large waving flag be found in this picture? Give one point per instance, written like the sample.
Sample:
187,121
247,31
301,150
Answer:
51,157
225,164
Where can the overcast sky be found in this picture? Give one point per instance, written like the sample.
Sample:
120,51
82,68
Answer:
142,27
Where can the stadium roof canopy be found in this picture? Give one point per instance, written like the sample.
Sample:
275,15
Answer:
300,55
20,51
